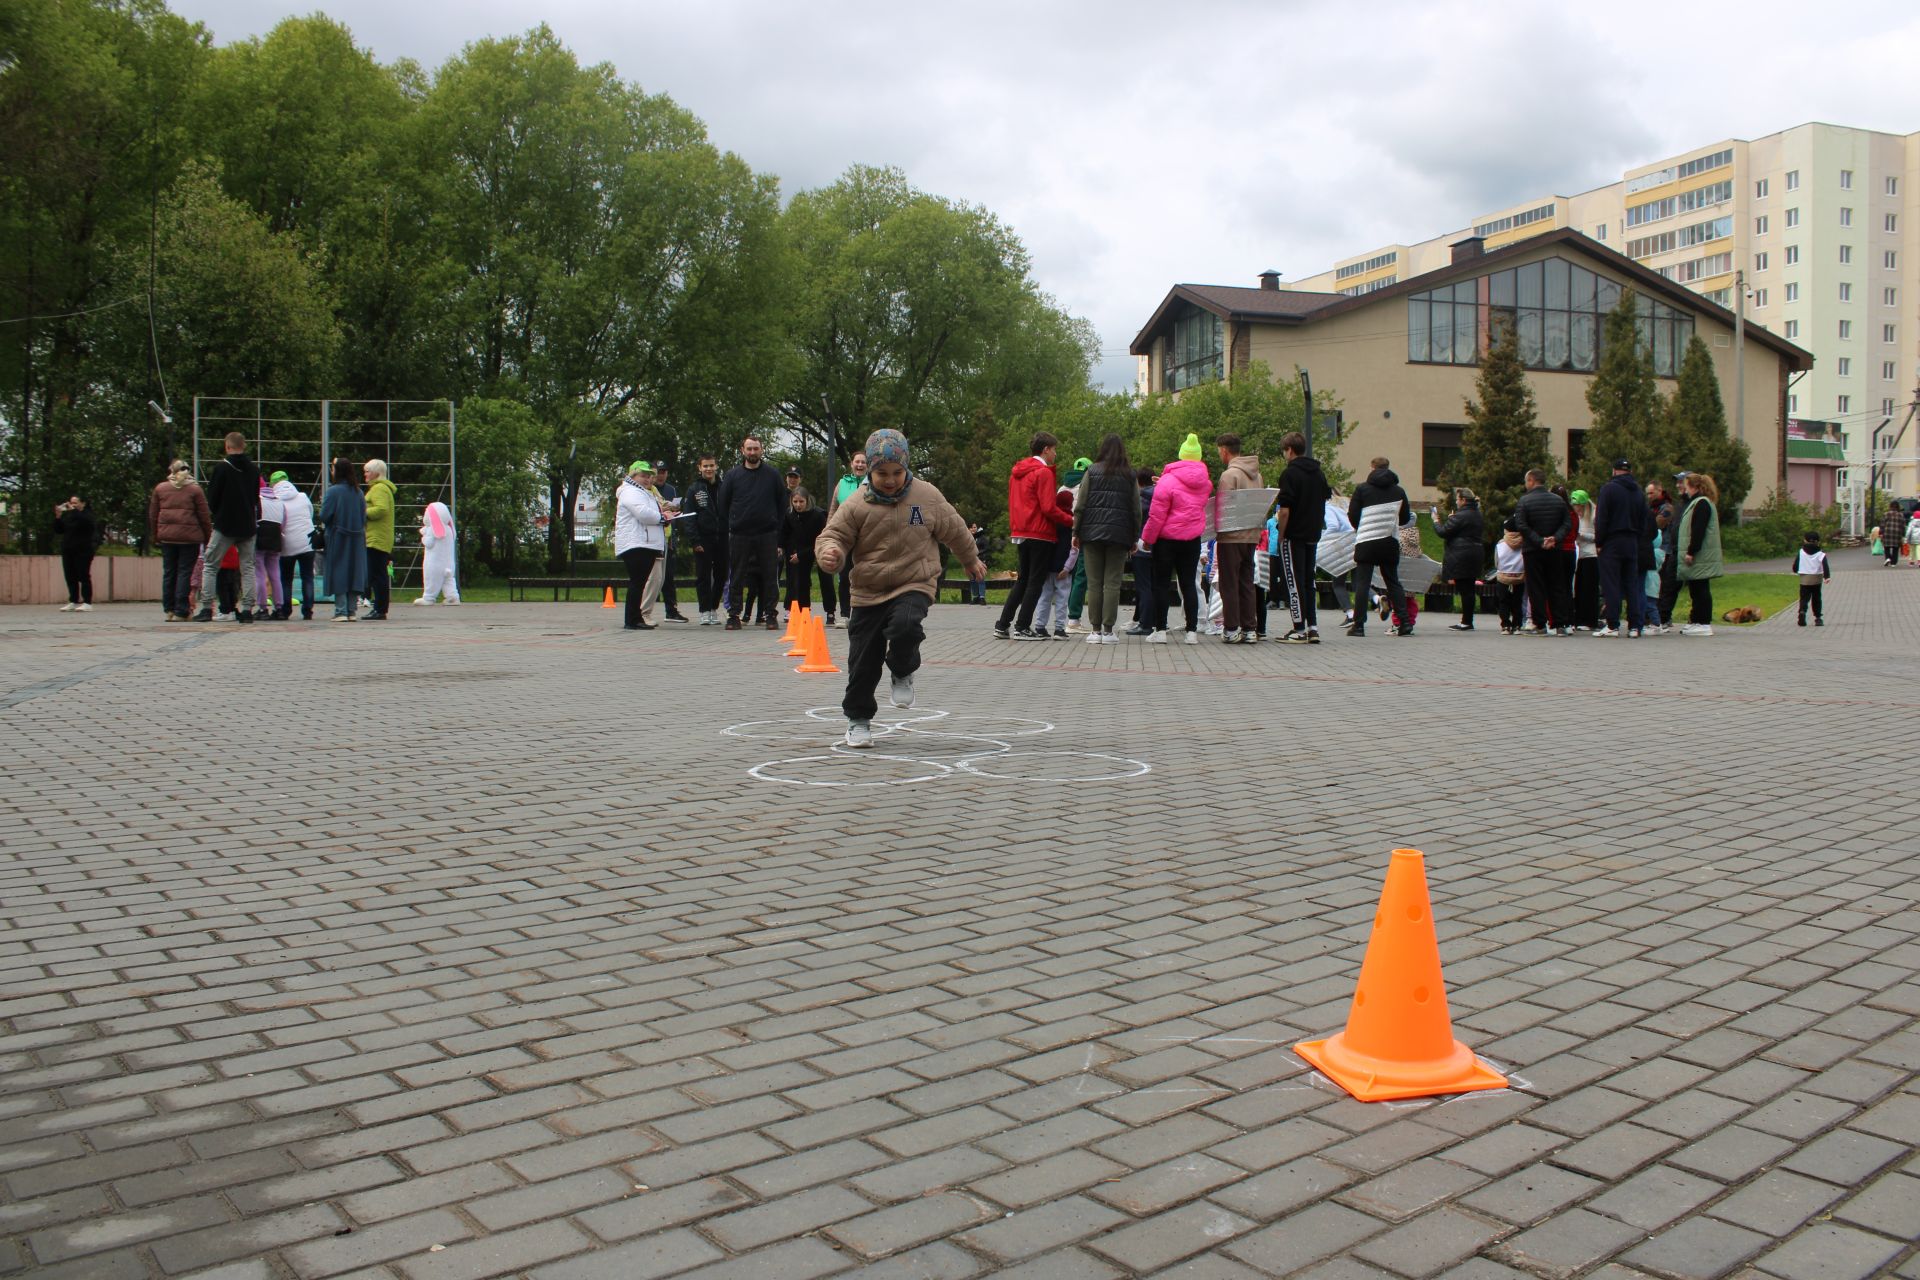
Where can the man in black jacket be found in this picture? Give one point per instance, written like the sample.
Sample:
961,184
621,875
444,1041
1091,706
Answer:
709,540
1301,519
233,498
1546,522
1378,509
752,504
1620,518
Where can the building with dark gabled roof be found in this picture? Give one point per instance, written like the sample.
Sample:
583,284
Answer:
1403,358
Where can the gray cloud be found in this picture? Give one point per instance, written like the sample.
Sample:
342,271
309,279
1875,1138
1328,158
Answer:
1133,146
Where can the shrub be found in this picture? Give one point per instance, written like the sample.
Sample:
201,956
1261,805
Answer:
1776,528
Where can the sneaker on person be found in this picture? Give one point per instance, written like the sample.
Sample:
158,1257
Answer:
1697,629
68,607
1566,632
1357,628
84,608
1460,626
1107,637
1059,633
1313,635
902,691
1608,633
1135,629
1078,627
676,617
1028,633
1296,636
1193,637
1819,622
859,733
1097,637
1000,632
343,617
1156,637
733,622
831,622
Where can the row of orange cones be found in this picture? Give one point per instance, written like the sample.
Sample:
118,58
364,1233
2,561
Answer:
807,633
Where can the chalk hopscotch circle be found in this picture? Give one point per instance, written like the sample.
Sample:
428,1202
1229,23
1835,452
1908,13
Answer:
927,770
885,719
798,729
1001,765
992,728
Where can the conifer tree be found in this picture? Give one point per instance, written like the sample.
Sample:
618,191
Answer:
1697,425
1629,420
1503,437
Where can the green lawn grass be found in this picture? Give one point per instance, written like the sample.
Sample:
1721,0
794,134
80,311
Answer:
1767,592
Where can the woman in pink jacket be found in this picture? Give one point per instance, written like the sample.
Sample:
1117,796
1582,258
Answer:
1174,525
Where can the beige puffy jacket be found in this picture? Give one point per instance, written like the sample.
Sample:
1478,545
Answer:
895,547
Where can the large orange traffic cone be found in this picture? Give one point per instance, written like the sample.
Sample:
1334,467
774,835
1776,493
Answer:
608,602
818,659
799,634
1399,1040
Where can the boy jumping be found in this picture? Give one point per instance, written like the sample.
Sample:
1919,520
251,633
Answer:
892,530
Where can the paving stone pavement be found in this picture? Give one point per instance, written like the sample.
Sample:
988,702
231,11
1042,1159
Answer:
466,945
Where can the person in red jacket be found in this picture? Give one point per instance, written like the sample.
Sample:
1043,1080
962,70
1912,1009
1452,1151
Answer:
1034,521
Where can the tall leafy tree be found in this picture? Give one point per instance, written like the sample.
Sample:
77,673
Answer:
916,312
1503,437
1696,421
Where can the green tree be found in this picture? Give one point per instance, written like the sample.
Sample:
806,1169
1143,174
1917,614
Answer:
494,442
1696,422
1503,437
915,312
1629,420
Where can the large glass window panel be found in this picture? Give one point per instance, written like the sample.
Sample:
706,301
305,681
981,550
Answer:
1465,334
1585,342
1556,340
1500,285
1608,295
1500,322
1467,291
1682,336
1663,348
1443,332
1556,283
1417,331
1531,325
1583,287
1530,279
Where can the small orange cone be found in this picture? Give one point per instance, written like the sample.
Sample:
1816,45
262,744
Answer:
608,602
1399,1038
818,659
796,629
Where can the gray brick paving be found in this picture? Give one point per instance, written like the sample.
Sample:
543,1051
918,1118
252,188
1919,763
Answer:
492,959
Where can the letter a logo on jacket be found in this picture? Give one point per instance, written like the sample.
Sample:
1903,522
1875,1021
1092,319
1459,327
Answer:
913,517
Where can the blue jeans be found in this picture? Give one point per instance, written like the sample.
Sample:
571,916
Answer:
1620,570
343,602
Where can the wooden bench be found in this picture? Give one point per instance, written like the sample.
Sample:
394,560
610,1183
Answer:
517,588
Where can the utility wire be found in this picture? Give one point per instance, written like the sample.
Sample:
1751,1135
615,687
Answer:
61,315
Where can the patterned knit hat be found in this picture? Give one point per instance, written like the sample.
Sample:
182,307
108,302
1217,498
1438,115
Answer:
886,445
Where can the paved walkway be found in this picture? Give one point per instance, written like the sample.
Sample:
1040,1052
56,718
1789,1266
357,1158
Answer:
473,944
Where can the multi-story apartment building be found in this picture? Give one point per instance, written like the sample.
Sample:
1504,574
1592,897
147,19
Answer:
1820,224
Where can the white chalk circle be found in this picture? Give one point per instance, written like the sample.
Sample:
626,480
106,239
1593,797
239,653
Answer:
933,744
1054,766
885,716
991,727
799,729
849,769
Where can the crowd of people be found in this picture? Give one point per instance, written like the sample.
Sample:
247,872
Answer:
231,550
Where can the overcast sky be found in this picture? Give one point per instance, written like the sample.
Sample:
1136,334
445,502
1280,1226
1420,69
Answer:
1134,146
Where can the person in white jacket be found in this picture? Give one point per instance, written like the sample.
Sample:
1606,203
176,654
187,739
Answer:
639,537
296,547
436,561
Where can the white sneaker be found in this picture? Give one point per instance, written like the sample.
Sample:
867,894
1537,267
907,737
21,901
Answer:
859,733
1093,637
1696,629
68,608
1193,637
85,608
423,600
223,617
1606,633
1077,627
451,600
903,691
1107,637
1156,637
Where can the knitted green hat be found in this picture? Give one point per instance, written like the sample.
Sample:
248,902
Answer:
1191,450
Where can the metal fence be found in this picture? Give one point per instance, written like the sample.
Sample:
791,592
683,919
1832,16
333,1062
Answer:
300,437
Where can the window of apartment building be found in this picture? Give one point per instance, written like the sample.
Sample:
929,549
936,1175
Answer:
1890,259
1846,179
1600,232
1846,254
1886,407
1793,255
1793,217
1886,333
1793,402
1844,366
1892,223
1886,371
1893,186
1846,292
1890,297
1793,291
1760,225
1760,189
1793,328
1843,404
1846,216
1759,298
1793,179
1846,330
1440,445
1759,262
1195,354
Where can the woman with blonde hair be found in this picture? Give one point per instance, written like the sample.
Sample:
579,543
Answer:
1464,534
1697,544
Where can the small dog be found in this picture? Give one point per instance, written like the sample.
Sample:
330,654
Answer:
1745,613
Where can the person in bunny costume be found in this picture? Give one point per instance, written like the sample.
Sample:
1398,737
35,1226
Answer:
436,568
